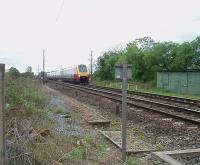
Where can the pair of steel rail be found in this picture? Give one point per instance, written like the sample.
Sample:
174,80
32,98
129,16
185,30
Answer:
134,99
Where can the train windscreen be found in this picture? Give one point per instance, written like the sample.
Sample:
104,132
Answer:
82,68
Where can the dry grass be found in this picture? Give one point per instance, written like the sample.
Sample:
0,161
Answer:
53,148
30,128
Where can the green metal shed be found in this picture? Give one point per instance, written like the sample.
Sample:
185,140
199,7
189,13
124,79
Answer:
180,82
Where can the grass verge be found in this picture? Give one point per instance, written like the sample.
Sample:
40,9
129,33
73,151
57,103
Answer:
28,125
141,87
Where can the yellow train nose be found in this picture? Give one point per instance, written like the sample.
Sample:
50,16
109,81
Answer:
83,74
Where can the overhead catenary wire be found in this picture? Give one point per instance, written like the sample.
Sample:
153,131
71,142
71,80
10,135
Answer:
58,15
60,10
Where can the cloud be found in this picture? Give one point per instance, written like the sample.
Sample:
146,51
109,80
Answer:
28,27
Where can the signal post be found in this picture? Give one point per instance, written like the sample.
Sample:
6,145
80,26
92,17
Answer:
123,73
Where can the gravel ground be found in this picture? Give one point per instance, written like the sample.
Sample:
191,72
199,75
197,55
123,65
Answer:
56,102
77,125
189,159
185,105
67,126
159,130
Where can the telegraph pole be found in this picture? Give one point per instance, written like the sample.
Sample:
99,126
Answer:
91,66
43,67
38,71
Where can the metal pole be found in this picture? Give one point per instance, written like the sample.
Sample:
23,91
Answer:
2,117
43,67
38,73
91,66
124,110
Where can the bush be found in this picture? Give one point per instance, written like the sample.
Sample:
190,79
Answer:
131,161
22,94
13,72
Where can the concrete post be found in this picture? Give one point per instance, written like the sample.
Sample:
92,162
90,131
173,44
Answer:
2,116
124,110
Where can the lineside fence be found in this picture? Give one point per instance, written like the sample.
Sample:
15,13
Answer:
179,82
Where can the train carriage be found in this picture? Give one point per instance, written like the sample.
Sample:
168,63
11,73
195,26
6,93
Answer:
77,74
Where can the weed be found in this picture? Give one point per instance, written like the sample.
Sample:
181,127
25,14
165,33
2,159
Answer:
159,146
142,135
156,162
70,129
101,147
60,112
78,152
57,110
22,94
131,161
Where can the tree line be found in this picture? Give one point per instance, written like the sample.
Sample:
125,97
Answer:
14,73
147,57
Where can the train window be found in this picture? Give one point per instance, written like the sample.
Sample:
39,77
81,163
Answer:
82,68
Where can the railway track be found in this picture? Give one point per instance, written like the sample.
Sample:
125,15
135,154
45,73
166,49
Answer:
179,101
188,111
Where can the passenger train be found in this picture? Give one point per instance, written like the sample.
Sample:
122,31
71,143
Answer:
78,74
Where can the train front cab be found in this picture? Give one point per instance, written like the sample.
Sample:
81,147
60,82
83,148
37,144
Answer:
82,74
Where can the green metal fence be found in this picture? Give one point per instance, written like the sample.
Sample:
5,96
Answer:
180,82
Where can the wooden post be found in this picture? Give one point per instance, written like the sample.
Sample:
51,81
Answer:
2,117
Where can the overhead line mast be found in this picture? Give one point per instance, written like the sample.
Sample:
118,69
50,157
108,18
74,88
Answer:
91,67
43,67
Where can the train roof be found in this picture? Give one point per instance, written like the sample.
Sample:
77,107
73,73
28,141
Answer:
70,67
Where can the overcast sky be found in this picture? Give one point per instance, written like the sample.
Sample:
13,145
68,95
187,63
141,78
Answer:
69,29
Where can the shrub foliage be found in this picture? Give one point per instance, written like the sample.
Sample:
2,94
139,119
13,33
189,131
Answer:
148,57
